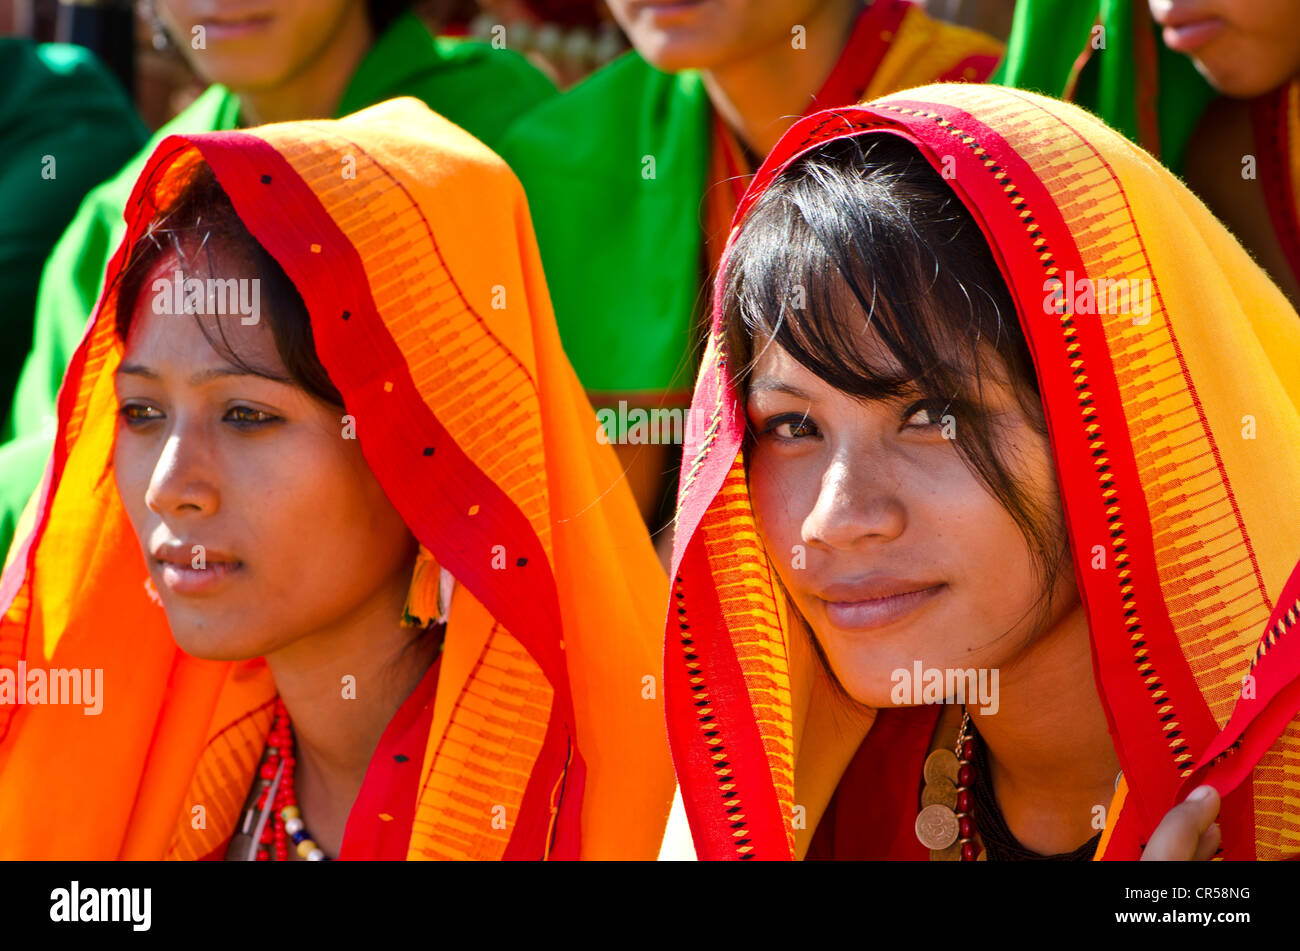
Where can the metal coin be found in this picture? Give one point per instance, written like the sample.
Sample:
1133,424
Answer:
942,793
941,764
936,827
951,854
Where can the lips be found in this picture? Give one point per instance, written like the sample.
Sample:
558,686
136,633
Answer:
1191,36
1187,29
176,561
876,602
235,26
664,12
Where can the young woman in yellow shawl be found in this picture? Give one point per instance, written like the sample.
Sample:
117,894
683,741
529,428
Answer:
327,511
993,412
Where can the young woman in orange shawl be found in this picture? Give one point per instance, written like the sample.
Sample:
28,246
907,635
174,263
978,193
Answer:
257,519
936,438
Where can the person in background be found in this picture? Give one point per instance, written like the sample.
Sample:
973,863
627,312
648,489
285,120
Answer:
633,176
293,59
1210,88
65,125
1244,156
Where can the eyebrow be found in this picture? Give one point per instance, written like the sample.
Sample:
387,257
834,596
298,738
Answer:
198,379
769,385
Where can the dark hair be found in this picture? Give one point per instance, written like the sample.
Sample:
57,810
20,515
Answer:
863,225
200,218
382,13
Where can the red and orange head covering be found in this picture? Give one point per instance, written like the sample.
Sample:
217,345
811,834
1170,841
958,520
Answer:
411,245
1151,428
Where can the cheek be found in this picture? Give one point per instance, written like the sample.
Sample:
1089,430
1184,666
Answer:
133,464
320,539
329,515
782,491
1252,61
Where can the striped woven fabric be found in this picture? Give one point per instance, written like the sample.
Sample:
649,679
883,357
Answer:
411,245
1174,440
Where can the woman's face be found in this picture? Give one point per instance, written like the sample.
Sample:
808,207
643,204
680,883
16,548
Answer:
259,45
1243,49
259,521
890,547
707,34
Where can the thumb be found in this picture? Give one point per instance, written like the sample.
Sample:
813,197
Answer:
1187,831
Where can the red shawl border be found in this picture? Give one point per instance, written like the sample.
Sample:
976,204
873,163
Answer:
420,466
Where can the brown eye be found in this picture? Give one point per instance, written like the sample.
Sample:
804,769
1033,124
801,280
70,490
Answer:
791,427
925,413
136,413
245,417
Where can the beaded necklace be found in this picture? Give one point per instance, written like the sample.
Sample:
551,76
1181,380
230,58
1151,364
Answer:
276,813
956,784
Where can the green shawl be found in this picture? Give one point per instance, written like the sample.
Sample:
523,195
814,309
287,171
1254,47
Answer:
65,123
626,153
1133,74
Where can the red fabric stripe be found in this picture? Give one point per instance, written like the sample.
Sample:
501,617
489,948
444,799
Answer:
883,779
433,492
1143,749
1269,119
392,787
733,719
875,29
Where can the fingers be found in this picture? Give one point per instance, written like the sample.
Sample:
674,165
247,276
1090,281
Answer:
1188,831
1209,843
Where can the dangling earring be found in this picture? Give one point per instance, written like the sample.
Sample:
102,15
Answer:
148,11
429,595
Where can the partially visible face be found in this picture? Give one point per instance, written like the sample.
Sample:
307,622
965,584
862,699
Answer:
1244,48
295,534
256,44
889,546
673,35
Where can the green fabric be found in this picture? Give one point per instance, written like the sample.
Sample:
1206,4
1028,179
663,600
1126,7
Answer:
65,125
1047,37
479,88
620,240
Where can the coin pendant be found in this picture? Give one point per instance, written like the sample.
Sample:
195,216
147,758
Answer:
936,827
941,764
951,854
942,793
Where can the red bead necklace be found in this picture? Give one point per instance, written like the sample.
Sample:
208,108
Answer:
284,825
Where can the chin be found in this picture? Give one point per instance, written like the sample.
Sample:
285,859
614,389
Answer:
676,54
1232,81
207,641
236,72
865,678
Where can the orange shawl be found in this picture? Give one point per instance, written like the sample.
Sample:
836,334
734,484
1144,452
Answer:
1175,444
412,247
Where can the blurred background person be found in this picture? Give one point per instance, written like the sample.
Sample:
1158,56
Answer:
274,61
1207,86
65,125
634,174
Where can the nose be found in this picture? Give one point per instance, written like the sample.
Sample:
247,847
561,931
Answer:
858,501
181,480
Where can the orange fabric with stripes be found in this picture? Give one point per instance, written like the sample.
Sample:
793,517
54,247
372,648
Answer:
1175,446
542,705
